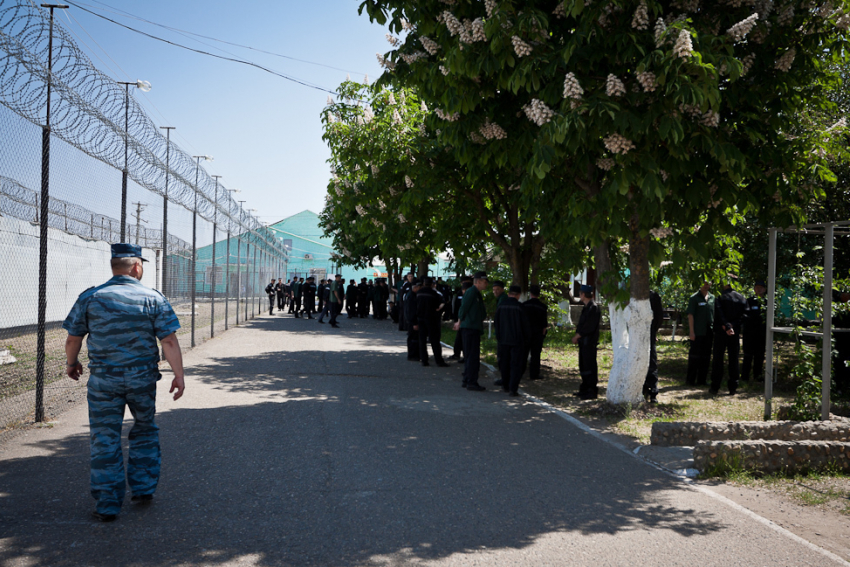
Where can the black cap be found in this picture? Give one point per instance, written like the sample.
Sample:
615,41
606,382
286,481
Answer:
534,290
479,276
497,283
125,250
514,289
761,283
427,280
338,275
587,290
362,279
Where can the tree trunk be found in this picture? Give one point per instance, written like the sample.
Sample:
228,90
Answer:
630,327
422,268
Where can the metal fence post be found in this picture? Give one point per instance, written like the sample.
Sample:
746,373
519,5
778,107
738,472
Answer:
227,281
826,330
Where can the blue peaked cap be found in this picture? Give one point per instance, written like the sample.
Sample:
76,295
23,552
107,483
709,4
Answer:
125,250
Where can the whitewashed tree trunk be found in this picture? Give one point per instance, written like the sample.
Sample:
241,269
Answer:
630,336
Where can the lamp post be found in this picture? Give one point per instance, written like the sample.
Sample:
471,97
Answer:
144,86
212,282
41,329
168,130
194,277
227,272
238,265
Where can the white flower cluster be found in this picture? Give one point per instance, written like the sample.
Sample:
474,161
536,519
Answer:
786,16
784,63
394,41
687,5
408,181
330,101
664,174
840,125
478,30
360,210
711,119
617,144
661,232
843,23
492,131
391,66
406,25
476,138
375,170
747,62
454,25
338,190
640,21
606,163
382,205
383,62
647,81
559,11
443,70
826,9
430,45
660,29
411,58
331,118
740,30
454,117
522,49
423,107
391,99
614,86
538,112
683,48
572,88
401,218
368,115
490,6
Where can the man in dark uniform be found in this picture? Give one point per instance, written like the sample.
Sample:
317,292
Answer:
429,305
296,296
841,320
587,339
513,335
755,333
729,311
650,384
444,290
336,293
538,321
280,291
410,309
471,325
363,299
270,291
309,292
320,287
123,320
402,293
292,287
351,299
700,322
466,283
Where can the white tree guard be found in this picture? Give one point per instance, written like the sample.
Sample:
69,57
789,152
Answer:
630,334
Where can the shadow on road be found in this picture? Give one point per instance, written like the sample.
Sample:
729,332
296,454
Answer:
310,465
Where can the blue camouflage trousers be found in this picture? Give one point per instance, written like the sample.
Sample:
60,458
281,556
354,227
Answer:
109,391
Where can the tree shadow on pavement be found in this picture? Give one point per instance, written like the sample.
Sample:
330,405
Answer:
311,465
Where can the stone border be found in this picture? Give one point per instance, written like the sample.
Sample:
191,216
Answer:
772,456
686,434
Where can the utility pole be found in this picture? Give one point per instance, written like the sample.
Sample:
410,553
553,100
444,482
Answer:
139,221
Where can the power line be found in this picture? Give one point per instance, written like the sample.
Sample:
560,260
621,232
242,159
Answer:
119,11
231,59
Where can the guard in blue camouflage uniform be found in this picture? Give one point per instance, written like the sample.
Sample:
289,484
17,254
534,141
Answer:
123,320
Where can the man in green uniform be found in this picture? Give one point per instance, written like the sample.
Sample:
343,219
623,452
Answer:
471,326
336,299
700,321
123,320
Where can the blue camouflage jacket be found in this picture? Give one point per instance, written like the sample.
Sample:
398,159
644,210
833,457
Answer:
123,320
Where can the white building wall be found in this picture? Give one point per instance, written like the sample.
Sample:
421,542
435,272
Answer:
74,264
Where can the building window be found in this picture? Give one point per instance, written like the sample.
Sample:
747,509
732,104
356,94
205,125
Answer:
287,243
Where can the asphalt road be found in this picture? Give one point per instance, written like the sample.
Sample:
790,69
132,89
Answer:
298,444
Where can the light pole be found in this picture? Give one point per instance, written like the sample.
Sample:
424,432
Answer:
41,330
212,287
227,271
194,276
238,265
144,86
168,130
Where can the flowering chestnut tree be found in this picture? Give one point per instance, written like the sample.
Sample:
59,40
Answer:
654,119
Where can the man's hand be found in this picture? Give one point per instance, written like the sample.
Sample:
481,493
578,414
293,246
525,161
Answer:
730,332
456,326
74,372
179,385
693,336
415,327
576,338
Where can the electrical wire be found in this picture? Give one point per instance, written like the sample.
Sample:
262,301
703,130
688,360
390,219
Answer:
231,59
118,11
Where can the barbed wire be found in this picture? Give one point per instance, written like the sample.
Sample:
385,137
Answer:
89,110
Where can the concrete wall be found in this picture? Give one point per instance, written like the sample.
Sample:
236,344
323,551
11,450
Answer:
74,264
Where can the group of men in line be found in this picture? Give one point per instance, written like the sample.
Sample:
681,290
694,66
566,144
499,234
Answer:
300,296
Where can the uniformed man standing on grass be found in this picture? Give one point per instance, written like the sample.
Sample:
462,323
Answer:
123,320
700,322
587,339
471,326
755,334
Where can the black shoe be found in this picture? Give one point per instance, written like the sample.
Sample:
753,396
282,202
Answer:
455,356
588,396
733,392
334,325
713,392
578,394
442,363
460,361
475,388
321,322
142,498
505,390
514,394
498,382
463,385
413,358
310,317
652,400
104,517
425,363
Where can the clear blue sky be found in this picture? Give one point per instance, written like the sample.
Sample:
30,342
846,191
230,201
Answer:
263,131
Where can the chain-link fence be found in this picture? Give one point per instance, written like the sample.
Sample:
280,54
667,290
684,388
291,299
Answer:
73,180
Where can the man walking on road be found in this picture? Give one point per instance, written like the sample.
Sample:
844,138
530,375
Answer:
471,326
270,291
429,306
123,320
336,299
